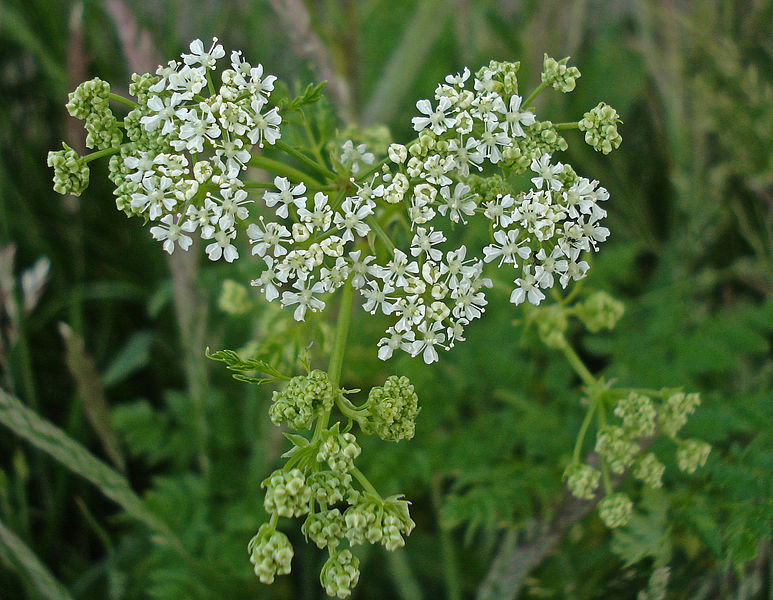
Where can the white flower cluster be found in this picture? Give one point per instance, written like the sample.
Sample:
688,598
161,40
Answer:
432,292
205,137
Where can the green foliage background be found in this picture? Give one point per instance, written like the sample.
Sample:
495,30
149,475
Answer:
691,255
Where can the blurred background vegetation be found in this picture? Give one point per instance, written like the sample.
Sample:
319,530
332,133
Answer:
160,493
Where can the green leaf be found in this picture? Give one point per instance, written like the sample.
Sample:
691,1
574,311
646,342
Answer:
250,365
647,534
310,95
57,444
30,565
133,356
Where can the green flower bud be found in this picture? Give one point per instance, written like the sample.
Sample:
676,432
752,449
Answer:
102,131
557,74
140,86
675,410
638,414
582,480
393,410
234,298
303,398
619,452
600,127
340,574
649,470
71,172
599,311
331,487
338,449
89,98
270,553
325,528
615,510
287,494
379,521
692,454
551,325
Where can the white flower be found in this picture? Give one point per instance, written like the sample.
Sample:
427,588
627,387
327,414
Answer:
304,298
398,269
205,59
397,153
157,196
222,246
267,281
361,268
461,202
424,240
265,127
319,219
233,208
431,336
196,128
526,288
353,156
490,140
499,210
351,218
286,196
508,248
546,173
165,114
378,298
458,79
514,118
170,232
269,238
437,120
402,340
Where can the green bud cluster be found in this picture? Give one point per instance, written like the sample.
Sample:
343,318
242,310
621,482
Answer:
140,87
392,410
600,127
615,510
124,188
234,298
582,480
505,80
287,493
324,528
91,102
338,449
304,397
71,172
616,448
649,470
675,410
331,487
692,454
489,188
557,74
551,325
270,553
378,521
540,138
599,311
638,414
340,574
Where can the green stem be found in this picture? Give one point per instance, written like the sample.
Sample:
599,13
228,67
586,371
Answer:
309,162
583,430
283,170
380,233
121,100
577,364
450,571
341,333
608,489
533,95
106,152
568,125
367,485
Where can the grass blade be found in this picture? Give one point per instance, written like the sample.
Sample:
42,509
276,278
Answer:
57,444
30,565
